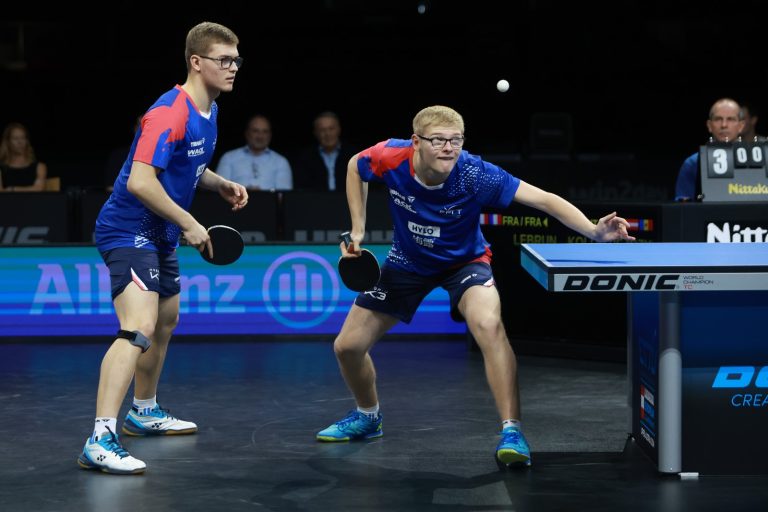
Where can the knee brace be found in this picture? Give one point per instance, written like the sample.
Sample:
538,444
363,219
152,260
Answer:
136,338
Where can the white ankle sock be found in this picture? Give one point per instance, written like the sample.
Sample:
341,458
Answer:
511,423
145,405
100,427
371,412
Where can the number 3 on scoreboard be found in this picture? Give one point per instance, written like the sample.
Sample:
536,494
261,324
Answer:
719,162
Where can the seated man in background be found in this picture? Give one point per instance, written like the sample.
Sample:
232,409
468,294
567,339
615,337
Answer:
255,165
725,123
323,165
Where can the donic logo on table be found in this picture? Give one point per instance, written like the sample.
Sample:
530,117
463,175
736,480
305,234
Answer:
749,382
300,289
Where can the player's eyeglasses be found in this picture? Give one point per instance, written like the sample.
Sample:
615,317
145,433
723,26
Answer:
226,62
439,142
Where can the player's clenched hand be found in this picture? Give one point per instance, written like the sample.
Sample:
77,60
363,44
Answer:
197,236
234,193
611,228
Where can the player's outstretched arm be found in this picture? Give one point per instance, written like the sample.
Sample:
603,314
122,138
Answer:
609,228
233,193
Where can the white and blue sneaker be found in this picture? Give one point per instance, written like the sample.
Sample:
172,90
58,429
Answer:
108,455
354,425
155,422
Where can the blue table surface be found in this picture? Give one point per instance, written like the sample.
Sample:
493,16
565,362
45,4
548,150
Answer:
655,255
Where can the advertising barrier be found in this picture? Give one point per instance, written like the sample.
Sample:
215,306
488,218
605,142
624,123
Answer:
270,290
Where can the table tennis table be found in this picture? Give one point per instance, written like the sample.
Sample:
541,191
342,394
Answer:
697,334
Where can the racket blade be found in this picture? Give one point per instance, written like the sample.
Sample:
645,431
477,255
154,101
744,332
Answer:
227,245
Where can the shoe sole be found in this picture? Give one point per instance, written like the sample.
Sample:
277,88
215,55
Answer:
148,433
87,464
328,439
512,458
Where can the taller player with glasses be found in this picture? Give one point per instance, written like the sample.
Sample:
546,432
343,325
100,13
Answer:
137,232
437,191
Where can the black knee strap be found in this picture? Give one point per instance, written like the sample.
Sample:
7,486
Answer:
136,338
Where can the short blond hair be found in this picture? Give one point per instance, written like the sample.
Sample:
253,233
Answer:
203,35
437,115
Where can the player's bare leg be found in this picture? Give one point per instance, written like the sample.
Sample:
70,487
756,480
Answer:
137,311
150,418
481,307
150,364
361,330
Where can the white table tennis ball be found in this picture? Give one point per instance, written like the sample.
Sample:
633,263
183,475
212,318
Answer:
502,85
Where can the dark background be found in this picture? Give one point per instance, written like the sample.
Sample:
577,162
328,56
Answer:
637,78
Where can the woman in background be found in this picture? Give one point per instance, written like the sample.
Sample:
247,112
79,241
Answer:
20,171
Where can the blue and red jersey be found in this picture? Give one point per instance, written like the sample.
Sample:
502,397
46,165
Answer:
436,227
176,138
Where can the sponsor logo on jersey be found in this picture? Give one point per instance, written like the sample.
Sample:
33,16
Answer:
402,201
451,211
433,231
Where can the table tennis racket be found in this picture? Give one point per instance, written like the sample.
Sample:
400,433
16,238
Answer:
358,273
227,245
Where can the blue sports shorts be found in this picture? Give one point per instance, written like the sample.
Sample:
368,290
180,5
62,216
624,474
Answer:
399,293
150,270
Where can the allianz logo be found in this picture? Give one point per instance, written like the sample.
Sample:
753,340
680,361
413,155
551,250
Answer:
726,233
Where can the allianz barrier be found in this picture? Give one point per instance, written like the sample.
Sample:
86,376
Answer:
317,218
274,289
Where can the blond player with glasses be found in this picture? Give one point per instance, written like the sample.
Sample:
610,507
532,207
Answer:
436,193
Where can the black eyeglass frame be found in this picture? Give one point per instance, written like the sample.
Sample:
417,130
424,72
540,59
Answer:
442,140
237,61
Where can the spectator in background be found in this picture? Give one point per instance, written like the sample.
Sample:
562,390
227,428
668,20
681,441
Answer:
20,170
323,165
255,165
749,133
116,159
725,123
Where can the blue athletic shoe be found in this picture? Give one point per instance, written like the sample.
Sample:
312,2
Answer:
513,449
155,422
354,425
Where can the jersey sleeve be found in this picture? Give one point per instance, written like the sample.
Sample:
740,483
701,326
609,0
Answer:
162,128
370,164
496,187
393,154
